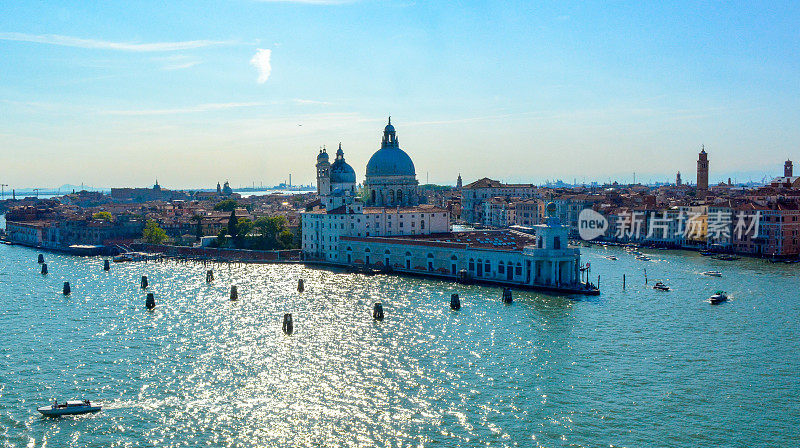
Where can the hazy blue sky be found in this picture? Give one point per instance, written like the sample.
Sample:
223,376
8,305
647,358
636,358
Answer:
191,92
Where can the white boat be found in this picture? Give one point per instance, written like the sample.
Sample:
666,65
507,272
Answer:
713,273
643,257
72,407
611,257
661,287
718,297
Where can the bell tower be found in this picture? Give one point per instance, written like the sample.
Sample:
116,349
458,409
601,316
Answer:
787,169
702,173
323,173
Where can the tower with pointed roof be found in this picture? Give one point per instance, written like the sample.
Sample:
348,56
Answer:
702,173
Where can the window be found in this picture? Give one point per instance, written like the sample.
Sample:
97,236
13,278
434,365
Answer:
501,268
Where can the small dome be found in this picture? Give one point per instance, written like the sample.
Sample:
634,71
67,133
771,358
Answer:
341,171
551,209
322,156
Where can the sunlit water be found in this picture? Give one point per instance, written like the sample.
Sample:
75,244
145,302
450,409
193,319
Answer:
636,368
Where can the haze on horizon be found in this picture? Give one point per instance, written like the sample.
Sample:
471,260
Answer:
192,93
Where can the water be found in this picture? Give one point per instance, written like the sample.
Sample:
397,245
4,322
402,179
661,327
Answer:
634,368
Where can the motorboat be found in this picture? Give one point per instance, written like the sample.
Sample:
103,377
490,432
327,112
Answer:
611,257
643,257
661,287
706,253
713,273
725,257
718,298
71,407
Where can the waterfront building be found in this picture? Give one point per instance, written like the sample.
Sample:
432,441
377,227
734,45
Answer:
416,238
781,230
527,212
156,193
541,261
702,174
473,196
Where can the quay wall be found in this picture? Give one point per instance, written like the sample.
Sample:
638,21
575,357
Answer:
217,253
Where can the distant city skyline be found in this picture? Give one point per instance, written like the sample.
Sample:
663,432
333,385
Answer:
191,94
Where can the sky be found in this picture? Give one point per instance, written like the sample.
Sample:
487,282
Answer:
111,93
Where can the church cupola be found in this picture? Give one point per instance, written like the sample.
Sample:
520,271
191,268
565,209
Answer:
389,136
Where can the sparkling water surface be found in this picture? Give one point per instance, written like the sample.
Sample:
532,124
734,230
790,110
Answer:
634,368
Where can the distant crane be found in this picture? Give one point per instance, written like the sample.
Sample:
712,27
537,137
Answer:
36,190
3,191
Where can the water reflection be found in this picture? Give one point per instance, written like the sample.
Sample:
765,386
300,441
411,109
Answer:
547,370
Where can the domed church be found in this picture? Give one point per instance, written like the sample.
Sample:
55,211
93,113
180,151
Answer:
336,182
391,180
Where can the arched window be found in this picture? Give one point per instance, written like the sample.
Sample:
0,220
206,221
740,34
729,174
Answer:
391,196
399,196
501,268
373,196
471,265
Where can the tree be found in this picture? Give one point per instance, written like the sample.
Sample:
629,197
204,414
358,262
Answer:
102,216
228,205
270,228
232,221
154,234
198,232
243,227
286,239
222,238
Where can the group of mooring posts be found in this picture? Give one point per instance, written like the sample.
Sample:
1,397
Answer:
44,265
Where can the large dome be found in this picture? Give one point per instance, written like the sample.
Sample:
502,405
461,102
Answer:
390,160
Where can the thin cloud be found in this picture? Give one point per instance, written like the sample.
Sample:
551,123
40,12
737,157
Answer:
69,41
261,62
180,66
210,107
302,101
